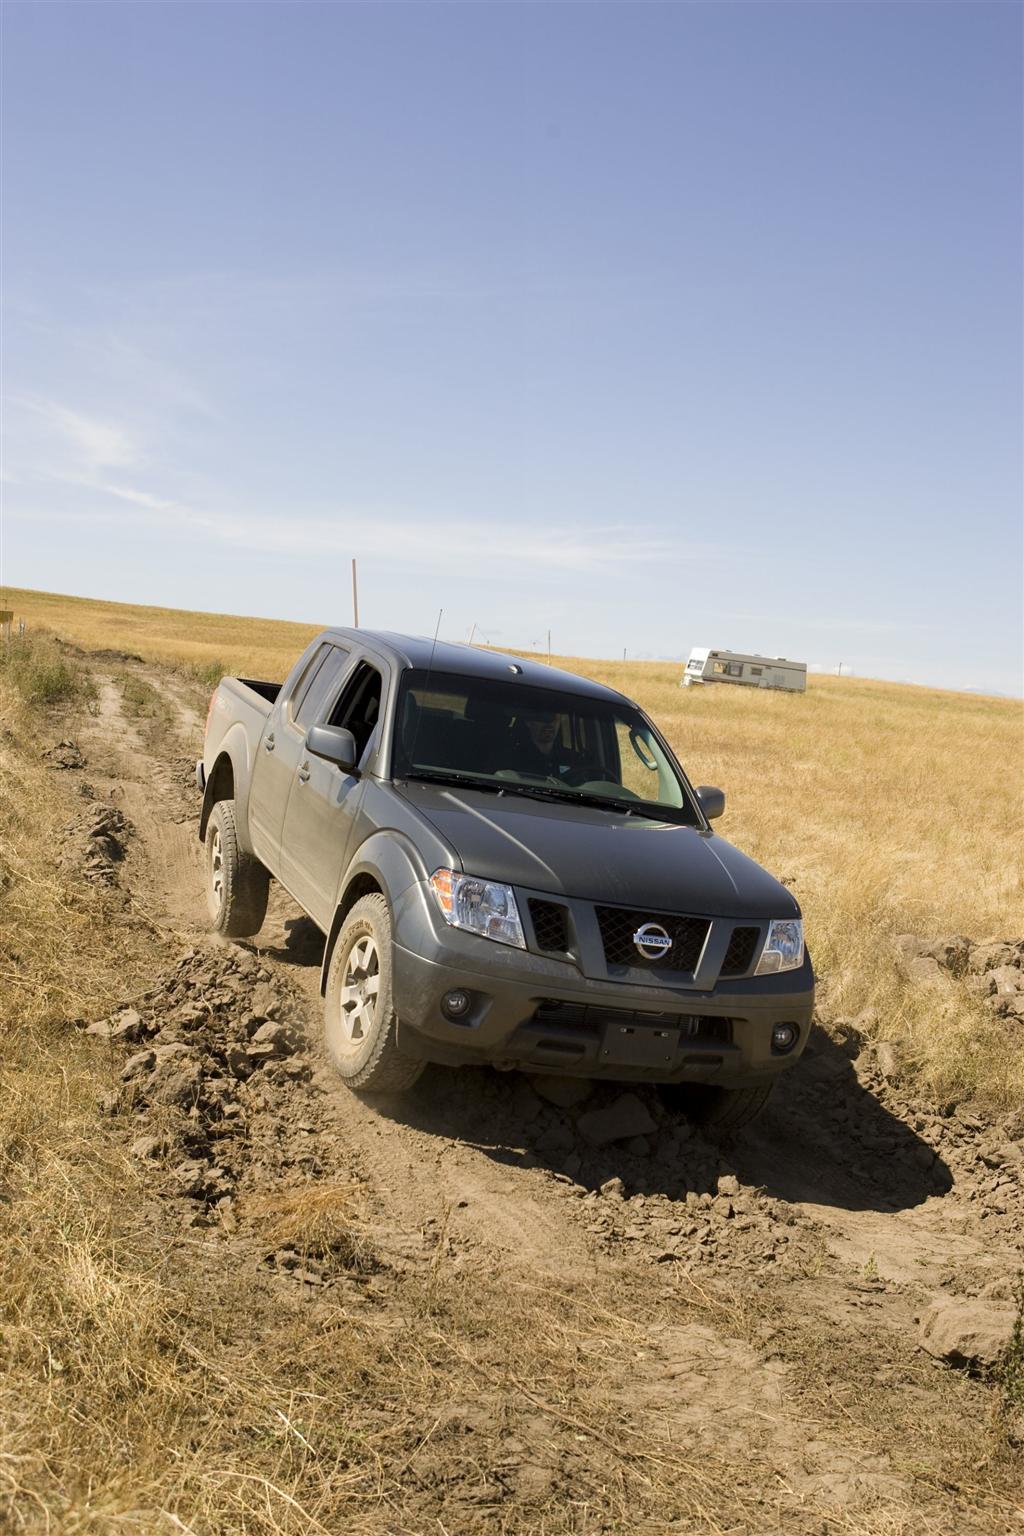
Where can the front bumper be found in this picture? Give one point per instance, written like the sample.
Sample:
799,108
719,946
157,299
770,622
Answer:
534,1013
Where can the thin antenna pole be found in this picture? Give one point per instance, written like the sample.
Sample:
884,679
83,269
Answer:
472,632
355,598
410,752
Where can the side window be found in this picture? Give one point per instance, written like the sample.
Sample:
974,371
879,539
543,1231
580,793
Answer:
358,708
327,675
306,677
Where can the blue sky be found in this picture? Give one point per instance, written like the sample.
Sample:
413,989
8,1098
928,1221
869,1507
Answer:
654,325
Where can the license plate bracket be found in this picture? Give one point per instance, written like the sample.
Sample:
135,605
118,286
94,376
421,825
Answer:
637,1045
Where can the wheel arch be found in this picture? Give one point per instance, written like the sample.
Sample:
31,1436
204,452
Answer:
228,779
220,785
384,866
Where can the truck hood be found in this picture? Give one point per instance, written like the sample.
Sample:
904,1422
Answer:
599,856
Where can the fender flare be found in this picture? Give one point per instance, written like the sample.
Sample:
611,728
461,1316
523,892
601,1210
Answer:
231,767
387,862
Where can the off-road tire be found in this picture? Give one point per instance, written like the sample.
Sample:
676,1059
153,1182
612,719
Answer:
360,1035
237,884
719,1112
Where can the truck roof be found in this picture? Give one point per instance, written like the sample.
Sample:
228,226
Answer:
420,652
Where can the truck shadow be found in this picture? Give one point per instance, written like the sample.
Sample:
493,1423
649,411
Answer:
825,1138
294,941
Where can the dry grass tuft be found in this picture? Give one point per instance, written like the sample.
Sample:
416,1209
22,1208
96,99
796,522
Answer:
319,1221
40,672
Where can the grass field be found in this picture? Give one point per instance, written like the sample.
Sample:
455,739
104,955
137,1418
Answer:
150,1383
888,809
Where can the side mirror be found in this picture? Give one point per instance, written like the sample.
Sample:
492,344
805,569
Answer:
712,801
334,744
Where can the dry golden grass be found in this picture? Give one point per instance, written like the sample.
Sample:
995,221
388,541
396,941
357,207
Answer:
205,644
889,809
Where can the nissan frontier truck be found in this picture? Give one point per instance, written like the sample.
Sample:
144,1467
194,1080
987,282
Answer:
509,867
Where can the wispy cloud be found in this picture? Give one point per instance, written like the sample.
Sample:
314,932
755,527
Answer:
96,444
445,542
105,460
834,625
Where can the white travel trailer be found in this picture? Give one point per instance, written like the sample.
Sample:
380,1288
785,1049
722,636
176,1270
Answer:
707,666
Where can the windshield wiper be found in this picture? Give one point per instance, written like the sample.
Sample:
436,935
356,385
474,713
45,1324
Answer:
462,780
544,792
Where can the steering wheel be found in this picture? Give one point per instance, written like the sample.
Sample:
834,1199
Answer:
583,774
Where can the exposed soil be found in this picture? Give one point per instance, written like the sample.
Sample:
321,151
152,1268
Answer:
772,1288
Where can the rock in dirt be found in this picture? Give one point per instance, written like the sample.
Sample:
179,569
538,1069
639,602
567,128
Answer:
174,1079
970,1335
986,957
65,754
281,1040
627,1116
265,1003
952,953
1006,979
121,1026
135,1066
565,1092
889,1056
909,946
922,968
525,1104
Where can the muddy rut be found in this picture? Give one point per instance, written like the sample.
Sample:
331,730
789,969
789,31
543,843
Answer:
769,1292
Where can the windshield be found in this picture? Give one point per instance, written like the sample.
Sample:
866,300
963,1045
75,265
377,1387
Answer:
520,738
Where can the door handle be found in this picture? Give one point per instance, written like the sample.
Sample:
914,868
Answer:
304,773
268,742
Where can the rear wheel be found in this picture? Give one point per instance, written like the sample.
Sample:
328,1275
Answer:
360,1024
237,884
719,1112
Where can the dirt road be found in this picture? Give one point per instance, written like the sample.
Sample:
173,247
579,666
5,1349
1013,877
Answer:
745,1320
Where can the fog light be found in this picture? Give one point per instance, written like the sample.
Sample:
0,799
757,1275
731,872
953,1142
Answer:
456,1004
784,1037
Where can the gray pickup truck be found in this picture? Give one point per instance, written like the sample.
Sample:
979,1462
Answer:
510,867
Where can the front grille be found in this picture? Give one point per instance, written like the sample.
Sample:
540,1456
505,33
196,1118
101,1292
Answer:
550,925
587,1016
740,954
618,925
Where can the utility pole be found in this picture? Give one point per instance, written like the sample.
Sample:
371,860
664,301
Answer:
472,632
840,672
355,598
549,647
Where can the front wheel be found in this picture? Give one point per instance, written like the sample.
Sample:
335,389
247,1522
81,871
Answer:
359,1014
719,1112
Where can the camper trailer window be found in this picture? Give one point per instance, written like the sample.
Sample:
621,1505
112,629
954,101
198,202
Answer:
719,667
734,669
755,671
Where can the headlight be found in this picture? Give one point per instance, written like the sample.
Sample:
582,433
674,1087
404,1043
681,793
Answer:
784,947
480,906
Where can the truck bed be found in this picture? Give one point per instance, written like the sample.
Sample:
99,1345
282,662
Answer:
268,691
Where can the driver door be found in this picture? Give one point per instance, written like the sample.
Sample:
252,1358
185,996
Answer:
324,799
